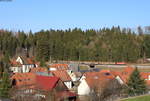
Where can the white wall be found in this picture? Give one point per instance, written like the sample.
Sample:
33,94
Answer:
15,69
72,75
82,78
52,69
148,77
26,68
68,84
119,80
83,88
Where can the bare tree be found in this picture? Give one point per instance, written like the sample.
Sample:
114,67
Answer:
107,92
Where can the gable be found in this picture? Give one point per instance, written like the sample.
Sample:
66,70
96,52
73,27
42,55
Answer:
83,88
60,86
19,60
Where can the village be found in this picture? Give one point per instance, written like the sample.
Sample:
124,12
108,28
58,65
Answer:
66,82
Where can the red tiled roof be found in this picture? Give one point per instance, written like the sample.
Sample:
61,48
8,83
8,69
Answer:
46,83
30,61
35,81
62,74
98,79
24,79
38,69
129,70
125,74
105,71
145,75
60,66
25,61
14,63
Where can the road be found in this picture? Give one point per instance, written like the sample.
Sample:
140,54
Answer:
118,66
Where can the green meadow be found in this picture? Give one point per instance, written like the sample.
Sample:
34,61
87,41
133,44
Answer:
142,98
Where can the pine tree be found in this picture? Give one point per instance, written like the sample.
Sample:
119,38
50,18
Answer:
1,69
136,85
42,50
5,86
5,62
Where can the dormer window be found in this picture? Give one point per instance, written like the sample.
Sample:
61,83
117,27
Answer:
107,73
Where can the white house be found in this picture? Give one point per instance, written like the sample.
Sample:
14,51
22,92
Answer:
22,65
93,80
63,75
83,88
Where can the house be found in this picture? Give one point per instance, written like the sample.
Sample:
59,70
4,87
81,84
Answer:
123,76
50,83
146,77
93,80
40,87
63,75
15,67
22,65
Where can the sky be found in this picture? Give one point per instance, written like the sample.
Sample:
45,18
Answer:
63,14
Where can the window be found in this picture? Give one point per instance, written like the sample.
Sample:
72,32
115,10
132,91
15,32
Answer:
107,73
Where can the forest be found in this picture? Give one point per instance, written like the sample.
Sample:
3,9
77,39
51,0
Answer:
107,44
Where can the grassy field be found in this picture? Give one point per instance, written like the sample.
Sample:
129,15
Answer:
141,98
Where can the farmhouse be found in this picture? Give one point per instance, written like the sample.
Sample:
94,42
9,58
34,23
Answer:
63,75
94,81
22,65
38,86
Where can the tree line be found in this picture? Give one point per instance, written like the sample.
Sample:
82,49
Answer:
107,44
